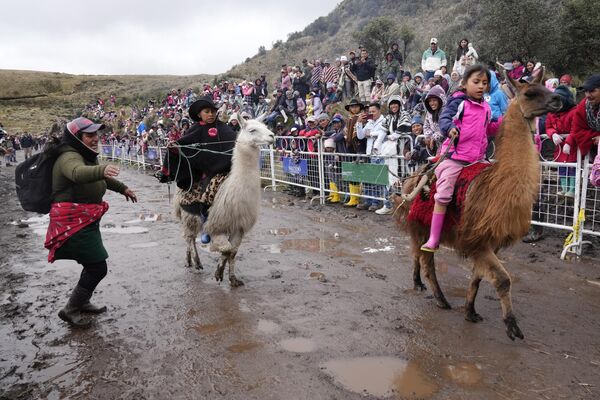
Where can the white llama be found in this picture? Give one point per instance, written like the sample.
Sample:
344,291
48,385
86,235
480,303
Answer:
236,204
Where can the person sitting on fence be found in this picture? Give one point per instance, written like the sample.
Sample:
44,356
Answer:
372,127
558,127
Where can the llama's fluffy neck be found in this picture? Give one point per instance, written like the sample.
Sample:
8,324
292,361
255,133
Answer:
245,160
516,155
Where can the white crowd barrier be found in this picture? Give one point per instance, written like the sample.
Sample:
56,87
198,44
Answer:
566,201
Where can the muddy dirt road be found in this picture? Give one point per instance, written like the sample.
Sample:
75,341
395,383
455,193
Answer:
327,312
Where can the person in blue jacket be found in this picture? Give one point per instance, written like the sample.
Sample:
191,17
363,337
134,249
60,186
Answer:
496,98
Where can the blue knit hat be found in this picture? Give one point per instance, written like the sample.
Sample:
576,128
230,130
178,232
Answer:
416,120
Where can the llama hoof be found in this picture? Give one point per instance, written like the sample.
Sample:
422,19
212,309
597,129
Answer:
235,282
199,266
443,303
219,276
420,287
472,316
512,329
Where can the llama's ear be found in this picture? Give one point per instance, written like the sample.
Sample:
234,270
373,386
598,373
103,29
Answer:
515,84
241,121
540,76
261,117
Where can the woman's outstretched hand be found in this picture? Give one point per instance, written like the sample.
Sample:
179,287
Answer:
111,171
130,195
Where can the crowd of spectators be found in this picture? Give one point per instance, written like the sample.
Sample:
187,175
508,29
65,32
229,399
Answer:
349,105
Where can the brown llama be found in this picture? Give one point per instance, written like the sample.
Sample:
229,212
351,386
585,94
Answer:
497,207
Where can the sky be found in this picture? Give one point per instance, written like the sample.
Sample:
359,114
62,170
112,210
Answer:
181,37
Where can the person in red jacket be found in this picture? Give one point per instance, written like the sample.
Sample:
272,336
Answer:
585,127
558,127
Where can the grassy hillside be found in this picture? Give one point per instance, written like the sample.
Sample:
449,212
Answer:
331,36
498,29
449,20
33,100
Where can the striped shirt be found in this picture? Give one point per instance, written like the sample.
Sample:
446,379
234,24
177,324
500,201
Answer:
316,75
330,74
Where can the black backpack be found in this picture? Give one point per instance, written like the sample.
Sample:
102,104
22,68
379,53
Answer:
33,178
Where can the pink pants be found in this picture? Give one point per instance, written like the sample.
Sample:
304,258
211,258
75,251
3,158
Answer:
447,173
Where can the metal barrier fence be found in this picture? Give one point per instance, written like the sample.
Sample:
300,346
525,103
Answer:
566,200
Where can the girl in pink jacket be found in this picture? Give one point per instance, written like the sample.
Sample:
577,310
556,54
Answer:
466,122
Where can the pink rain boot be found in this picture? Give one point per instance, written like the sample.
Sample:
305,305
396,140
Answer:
437,222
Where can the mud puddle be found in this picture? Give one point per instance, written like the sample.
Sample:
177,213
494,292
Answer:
209,329
280,232
308,245
381,377
143,245
298,345
464,374
244,347
266,326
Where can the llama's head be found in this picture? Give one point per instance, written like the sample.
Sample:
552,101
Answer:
534,98
255,133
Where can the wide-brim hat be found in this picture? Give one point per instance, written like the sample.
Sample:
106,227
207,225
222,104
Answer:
354,102
199,105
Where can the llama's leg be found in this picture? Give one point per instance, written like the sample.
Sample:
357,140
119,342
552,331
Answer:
418,283
235,240
427,261
499,277
188,254
221,268
197,263
470,313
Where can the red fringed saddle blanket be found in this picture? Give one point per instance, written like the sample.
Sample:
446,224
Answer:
421,208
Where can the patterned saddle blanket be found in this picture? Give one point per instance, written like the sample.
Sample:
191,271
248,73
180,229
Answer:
421,209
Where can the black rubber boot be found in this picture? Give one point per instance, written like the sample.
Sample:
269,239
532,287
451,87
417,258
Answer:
88,307
71,312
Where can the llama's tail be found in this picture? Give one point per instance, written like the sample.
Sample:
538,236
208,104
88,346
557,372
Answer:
177,205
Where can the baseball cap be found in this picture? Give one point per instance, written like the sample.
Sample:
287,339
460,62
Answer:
83,125
591,83
433,40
